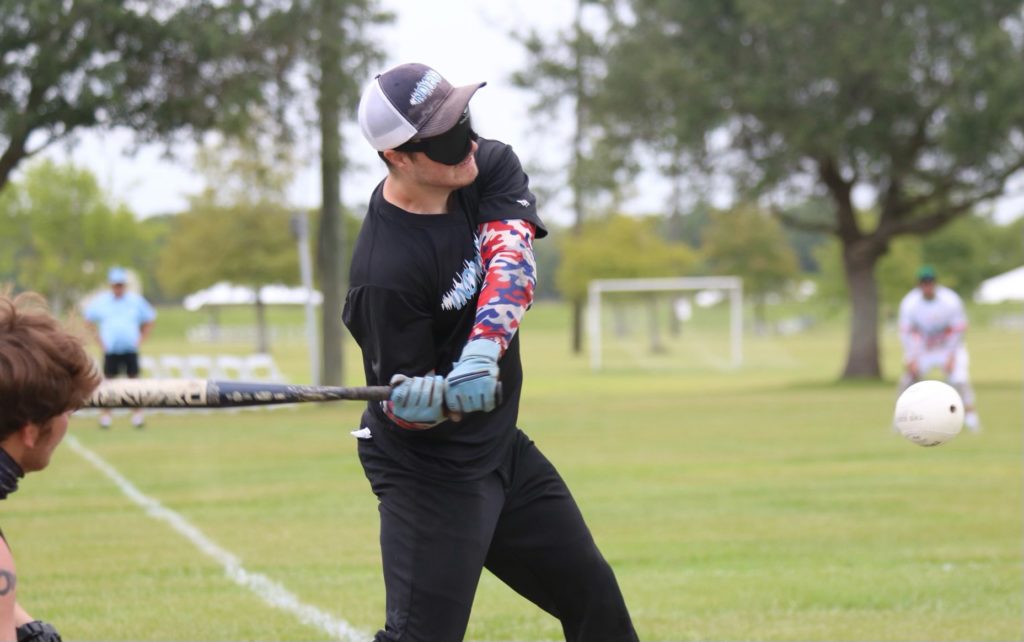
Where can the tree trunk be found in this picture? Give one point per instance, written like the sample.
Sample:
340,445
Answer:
576,178
760,315
577,325
675,324
262,339
860,255
214,324
331,254
13,155
653,325
863,359
620,320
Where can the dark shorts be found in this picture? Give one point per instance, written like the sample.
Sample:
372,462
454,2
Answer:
117,363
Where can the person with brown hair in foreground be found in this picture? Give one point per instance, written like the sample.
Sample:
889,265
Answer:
45,375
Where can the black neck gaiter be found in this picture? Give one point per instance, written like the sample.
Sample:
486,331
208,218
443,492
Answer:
10,473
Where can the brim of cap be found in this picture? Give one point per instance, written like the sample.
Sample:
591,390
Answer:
448,114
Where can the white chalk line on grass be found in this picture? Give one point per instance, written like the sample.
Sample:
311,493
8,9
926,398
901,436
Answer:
265,588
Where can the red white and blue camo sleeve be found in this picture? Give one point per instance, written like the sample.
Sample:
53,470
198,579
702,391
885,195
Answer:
510,275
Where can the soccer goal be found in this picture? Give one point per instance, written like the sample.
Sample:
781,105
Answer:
706,290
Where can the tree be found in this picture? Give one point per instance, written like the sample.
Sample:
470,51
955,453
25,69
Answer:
690,226
342,60
327,40
964,253
548,255
621,247
59,233
244,244
567,69
805,242
749,243
895,273
155,232
237,228
184,67
189,67
972,249
917,101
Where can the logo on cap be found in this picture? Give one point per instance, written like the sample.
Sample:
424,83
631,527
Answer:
426,86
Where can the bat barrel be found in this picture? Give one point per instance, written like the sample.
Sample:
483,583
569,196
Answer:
150,393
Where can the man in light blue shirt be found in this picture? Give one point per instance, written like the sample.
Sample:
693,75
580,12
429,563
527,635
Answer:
122,321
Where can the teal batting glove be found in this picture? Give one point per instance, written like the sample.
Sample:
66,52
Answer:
472,385
418,400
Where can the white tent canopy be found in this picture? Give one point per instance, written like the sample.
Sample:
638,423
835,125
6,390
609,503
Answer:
1008,286
225,293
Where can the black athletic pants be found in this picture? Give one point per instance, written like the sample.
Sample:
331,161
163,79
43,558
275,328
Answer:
520,522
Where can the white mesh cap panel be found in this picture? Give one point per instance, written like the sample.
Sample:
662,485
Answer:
383,126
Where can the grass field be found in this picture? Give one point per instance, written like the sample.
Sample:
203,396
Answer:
768,503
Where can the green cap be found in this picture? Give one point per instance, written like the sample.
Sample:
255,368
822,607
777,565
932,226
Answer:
926,273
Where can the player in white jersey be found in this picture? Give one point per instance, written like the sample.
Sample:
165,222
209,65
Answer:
932,324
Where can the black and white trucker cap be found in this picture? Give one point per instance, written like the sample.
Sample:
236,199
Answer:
410,101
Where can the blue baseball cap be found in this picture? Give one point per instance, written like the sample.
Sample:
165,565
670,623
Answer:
117,275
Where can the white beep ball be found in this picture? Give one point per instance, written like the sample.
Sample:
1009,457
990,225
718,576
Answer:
929,413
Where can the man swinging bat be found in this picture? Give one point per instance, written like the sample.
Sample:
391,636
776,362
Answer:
442,273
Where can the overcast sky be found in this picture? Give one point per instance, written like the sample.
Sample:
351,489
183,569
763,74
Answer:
465,40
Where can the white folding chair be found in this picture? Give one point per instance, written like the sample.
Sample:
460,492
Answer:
201,366
261,367
174,367
149,367
230,367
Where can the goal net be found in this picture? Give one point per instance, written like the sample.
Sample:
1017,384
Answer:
637,322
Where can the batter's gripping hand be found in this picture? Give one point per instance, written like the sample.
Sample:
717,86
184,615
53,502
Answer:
418,400
472,384
37,631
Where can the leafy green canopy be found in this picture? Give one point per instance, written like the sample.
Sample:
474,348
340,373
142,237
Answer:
158,68
916,100
920,99
618,247
237,229
59,233
964,253
749,243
